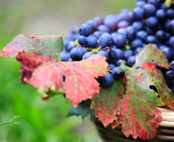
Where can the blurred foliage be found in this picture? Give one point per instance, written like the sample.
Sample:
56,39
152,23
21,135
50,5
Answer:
42,121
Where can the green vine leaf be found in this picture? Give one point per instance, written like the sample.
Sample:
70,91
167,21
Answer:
48,45
133,102
83,109
107,103
138,107
149,54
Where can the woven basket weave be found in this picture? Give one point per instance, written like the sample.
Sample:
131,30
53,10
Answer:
165,131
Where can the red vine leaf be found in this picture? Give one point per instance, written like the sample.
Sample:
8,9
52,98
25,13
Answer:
164,92
151,53
48,45
107,103
30,63
80,83
138,111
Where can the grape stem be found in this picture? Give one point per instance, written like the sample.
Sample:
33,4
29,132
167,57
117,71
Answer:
54,92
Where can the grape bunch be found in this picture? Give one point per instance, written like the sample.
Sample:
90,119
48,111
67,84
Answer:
120,37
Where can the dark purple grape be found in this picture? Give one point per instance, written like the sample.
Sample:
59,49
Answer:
142,35
152,23
118,73
104,54
137,50
138,26
82,40
105,40
140,4
87,55
172,65
170,76
91,41
119,40
120,54
171,42
122,24
77,53
130,33
111,22
130,61
170,13
171,26
160,14
70,46
93,24
149,10
138,14
151,39
156,3
122,31
111,66
113,54
161,36
119,62
97,34
103,28
64,56
127,54
136,43
99,20
106,81
169,53
85,30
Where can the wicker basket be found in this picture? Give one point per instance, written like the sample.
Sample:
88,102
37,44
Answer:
165,131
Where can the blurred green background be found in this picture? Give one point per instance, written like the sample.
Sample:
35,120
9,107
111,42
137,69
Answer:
43,121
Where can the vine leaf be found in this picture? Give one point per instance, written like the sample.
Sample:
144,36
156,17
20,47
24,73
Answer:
48,45
131,102
138,111
41,68
80,83
106,104
30,63
151,53
83,109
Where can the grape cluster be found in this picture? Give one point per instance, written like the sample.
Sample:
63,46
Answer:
120,37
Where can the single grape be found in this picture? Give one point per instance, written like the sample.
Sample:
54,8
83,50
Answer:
127,54
160,14
85,29
77,53
106,81
138,14
70,46
119,40
136,43
111,66
64,56
104,54
152,23
91,41
170,76
105,40
172,65
118,73
130,61
82,40
87,55
142,35
149,10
